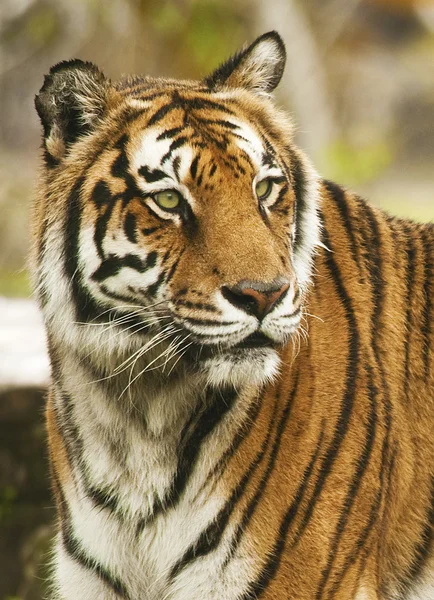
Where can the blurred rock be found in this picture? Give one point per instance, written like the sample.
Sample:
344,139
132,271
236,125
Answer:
26,506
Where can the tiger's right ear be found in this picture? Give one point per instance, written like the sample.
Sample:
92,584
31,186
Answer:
70,104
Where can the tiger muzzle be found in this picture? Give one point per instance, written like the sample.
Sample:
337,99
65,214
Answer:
256,298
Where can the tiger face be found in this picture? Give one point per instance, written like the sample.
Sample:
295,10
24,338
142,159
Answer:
192,219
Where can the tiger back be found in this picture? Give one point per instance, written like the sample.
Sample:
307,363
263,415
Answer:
242,399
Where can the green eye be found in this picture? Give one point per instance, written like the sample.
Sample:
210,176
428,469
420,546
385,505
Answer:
263,188
168,199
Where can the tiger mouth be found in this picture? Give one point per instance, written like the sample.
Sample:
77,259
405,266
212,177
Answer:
255,341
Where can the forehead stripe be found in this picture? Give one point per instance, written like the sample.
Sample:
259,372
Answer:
169,133
173,146
151,175
162,112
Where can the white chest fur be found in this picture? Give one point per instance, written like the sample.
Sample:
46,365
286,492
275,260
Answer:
141,496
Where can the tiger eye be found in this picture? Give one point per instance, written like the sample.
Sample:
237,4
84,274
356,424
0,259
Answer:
168,199
263,188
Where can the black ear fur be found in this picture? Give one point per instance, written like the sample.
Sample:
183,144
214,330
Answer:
259,67
69,104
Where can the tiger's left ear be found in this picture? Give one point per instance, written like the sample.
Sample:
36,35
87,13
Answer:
258,68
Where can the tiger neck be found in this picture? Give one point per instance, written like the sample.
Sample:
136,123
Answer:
136,451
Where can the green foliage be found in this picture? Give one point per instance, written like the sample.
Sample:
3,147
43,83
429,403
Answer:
167,18
198,34
353,165
213,33
8,496
42,26
14,284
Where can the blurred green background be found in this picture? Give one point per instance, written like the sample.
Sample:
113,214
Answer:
359,83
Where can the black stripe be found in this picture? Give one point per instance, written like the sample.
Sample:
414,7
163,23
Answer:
77,552
241,434
153,289
203,103
281,197
298,180
220,122
174,146
151,175
113,264
130,227
176,166
74,444
217,404
338,195
124,298
374,264
409,279
169,133
375,267
120,166
101,225
372,243
353,556
174,266
162,112
193,166
254,502
209,322
347,406
101,194
103,498
427,237
362,465
85,306
199,179
197,305
211,536
195,428
50,161
66,424
296,312
150,230
258,587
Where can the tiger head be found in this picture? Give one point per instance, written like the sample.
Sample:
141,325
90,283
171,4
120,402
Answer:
180,213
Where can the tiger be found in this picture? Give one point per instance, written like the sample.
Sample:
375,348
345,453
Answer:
241,402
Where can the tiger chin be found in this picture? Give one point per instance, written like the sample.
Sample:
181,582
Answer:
242,402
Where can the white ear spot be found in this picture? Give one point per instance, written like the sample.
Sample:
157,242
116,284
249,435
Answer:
264,61
258,68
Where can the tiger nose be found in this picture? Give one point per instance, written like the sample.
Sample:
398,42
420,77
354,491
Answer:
254,297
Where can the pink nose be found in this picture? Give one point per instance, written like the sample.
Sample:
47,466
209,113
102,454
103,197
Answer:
255,297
